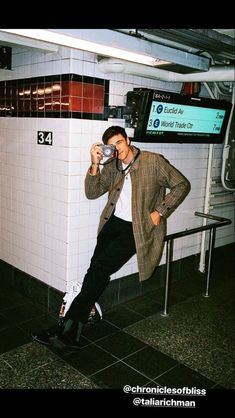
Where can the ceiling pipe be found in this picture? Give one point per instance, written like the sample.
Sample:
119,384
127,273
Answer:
111,65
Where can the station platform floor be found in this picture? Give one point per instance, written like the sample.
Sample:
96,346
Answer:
193,347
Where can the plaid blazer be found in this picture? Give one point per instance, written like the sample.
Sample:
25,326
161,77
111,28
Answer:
150,175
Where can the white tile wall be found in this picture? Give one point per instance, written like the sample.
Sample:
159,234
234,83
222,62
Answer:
48,227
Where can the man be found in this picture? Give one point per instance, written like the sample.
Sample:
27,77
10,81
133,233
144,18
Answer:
132,222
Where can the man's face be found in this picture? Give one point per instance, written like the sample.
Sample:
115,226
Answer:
122,146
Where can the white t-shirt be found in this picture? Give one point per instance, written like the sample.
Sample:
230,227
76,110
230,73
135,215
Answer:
123,206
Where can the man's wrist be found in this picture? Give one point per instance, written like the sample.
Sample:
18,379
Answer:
94,169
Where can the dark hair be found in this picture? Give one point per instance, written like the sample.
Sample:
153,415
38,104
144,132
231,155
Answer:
111,131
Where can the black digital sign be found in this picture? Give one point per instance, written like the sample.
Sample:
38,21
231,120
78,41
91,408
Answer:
170,117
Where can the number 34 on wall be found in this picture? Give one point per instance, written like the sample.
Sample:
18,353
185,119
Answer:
44,138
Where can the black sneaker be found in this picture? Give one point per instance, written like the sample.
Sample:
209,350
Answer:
44,336
95,315
69,335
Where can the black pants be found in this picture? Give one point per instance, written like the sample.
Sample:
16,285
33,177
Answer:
115,246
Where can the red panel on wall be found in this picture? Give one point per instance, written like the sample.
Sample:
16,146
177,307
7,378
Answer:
87,105
65,95
27,105
34,105
98,106
76,104
41,105
65,104
88,90
56,89
76,88
65,88
48,104
56,105
98,92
